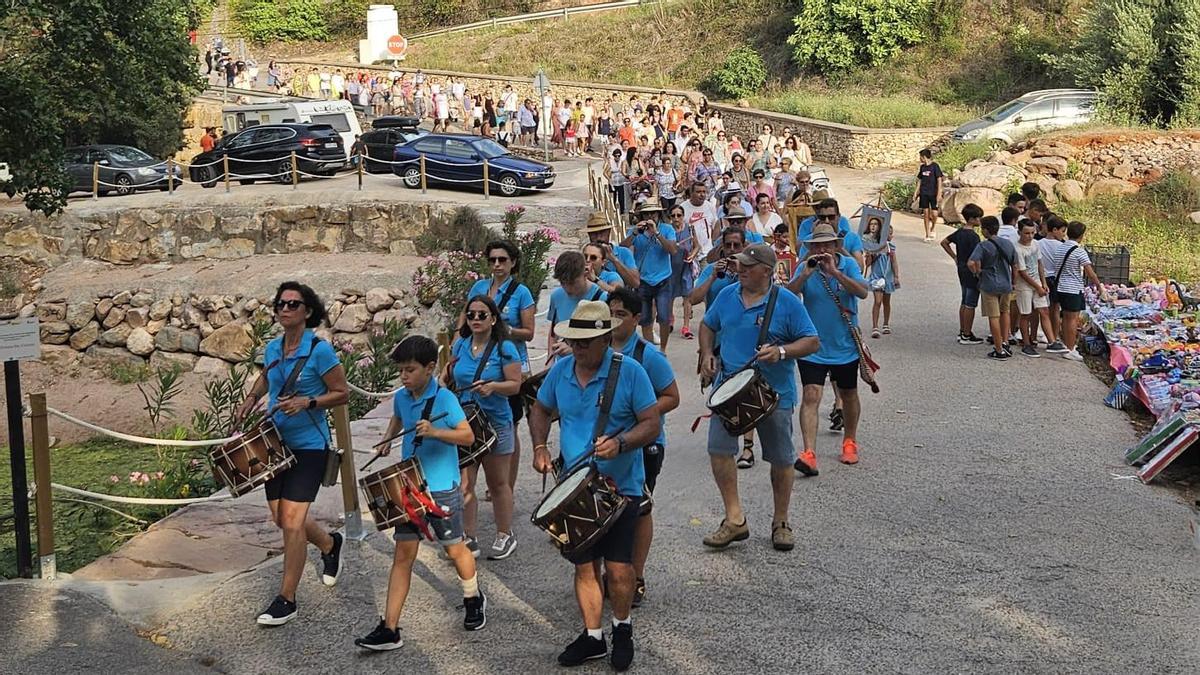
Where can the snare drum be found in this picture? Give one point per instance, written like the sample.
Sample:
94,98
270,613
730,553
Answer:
391,493
485,436
580,509
251,459
743,400
529,391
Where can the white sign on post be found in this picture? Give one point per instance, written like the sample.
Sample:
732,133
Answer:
19,340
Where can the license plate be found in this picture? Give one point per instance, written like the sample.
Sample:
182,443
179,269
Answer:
331,145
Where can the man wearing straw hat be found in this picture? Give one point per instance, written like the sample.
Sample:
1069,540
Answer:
573,389
733,325
829,281
618,258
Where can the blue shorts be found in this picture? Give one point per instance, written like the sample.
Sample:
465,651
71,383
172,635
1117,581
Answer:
504,440
658,296
448,530
775,433
970,296
682,278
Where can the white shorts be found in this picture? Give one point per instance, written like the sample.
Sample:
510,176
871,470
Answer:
1028,300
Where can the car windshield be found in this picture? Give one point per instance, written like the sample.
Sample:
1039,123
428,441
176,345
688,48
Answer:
128,155
490,149
1003,112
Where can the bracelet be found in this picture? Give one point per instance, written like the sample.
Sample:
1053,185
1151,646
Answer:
542,446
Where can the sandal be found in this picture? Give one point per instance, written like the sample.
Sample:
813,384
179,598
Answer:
887,330
836,421
746,460
687,333
875,333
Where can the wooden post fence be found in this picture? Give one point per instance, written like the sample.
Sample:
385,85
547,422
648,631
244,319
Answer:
423,184
486,182
349,474
295,172
41,478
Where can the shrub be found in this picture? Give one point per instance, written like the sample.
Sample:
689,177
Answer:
898,193
372,368
1176,193
463,230
291,21
742,74
534,247
444,280
346,17
876,112
834,36
957,155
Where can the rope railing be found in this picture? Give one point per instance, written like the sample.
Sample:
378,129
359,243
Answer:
373,394
141,440
221,495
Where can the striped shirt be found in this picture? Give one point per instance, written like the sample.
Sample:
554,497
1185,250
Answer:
1052,253
1071,279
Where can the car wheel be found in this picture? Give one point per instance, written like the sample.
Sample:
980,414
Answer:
283,172
412,177
124,184
205,177
246,181
509,186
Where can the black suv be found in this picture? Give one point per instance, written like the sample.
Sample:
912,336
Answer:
265,151
386,133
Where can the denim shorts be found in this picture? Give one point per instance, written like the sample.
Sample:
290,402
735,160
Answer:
775,433
449,530
659,296
504,440
970,296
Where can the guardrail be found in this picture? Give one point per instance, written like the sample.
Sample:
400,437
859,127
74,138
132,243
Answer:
533,16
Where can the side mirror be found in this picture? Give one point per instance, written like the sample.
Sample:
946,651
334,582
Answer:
1018,119
475,156
103,162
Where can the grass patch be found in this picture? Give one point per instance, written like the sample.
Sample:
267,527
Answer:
1161,243
958,155
83,532
125,373
864,110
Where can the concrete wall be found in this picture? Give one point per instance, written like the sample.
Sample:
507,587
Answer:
851,146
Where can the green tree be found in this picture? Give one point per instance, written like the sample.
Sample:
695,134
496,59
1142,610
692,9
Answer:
835,36
742,74
88,71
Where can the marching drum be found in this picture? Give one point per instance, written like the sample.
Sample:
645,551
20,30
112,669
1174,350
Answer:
251,459
485,436
743,400
394,494
580,509
529,391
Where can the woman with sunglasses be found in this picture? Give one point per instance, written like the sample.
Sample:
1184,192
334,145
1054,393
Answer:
683,270
616,179
739,170
761,186
302,378
487,371
593,259
708,171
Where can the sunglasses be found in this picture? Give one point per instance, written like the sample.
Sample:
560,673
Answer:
594,258
497,259
289,304
478,316
827,216
678,214
580,343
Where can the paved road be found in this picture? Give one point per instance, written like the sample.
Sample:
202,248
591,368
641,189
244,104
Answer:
981,532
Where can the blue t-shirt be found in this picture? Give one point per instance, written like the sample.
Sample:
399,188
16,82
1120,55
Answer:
737,334
657,368
496,406
307,430
653,261
577,408
562,305
837,347
718,284
610,278
520,300
439,460
851,240
624,255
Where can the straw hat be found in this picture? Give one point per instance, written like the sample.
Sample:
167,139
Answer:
597,223
649,205
822,233
590,319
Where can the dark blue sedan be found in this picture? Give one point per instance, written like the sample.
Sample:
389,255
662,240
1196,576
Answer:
457,160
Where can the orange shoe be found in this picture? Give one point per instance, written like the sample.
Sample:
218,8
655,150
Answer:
807,463
849,452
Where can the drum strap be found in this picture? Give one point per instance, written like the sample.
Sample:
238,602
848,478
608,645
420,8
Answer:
425,413
639,350
768,314
610,389
483,360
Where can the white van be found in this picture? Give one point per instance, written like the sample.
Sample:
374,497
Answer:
1035,112
337,114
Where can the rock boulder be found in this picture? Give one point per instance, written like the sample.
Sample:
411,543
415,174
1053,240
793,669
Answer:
140,342
1070,191
1111,186
992,176
230,342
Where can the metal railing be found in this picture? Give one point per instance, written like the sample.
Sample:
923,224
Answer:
533,16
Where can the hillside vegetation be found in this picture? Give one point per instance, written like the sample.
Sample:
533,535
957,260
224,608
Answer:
978,53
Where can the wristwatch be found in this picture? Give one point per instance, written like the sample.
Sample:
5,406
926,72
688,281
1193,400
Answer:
620,443
782,353
312,403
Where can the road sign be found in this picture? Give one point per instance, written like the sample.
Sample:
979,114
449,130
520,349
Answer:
397,45
19,340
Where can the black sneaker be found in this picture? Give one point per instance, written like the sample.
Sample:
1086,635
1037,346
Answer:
639,592
622,651
476,607
1031,352
1007,350
280,612
971,339
836,421
382,639
332,561
585,648
999,356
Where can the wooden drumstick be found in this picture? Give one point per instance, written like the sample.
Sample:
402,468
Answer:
398,435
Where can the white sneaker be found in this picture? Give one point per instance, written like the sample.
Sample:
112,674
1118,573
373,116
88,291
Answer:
654,337
1072,355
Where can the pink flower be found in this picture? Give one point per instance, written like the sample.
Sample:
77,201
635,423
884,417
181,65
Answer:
194,463
114,479
159,475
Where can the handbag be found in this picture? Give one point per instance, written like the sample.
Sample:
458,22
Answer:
1052,282
867,367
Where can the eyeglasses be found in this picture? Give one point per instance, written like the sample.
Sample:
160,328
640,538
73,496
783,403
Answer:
289,304
479,316
497,259
579,343
677,214
594,258
827,216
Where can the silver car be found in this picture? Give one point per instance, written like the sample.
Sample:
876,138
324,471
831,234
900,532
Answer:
1035,112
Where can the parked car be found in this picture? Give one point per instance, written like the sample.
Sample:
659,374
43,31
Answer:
1036,111
385,135
265,151
457,159
123,169
5,174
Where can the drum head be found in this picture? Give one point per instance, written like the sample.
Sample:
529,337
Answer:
732,386
563,491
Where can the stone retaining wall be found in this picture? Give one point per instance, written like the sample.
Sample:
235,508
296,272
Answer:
851,146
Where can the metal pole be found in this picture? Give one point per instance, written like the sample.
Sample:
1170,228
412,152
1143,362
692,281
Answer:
225,165
41,479
341,426
20,486
486,190
424,184
95,181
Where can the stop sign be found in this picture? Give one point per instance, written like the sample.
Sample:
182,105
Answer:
397,45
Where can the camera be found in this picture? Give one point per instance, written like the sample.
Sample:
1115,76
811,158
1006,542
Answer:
814,261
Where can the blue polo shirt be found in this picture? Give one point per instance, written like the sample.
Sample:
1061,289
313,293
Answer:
657,368
307,430
718,284
562,305
737,332
520,301
496,406
577,408
837,347
611,278
439,460
624,255
653,261
851,241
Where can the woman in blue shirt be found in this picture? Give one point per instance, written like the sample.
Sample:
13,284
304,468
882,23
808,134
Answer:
299,414
486,370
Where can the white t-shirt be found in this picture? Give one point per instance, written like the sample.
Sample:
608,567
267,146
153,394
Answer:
588,113
703,219
767,228
1028,257
508,101
1010,233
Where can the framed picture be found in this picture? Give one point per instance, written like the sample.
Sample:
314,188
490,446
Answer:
874,226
